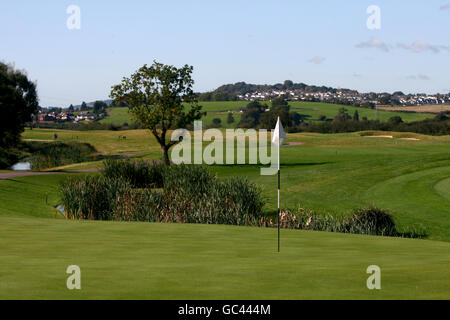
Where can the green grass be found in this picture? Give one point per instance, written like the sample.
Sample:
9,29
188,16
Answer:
168,261
119,116
328,173
33,196
316,109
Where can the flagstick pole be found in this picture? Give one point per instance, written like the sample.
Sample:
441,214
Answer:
279,187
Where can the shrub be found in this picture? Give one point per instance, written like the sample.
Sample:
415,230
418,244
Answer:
139,174
9,157
91,197
55,154
370,220
190,195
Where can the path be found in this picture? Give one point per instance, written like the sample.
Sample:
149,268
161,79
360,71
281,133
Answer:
10,175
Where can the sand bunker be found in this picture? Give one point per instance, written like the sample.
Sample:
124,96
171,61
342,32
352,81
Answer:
390,137
291,144
409,139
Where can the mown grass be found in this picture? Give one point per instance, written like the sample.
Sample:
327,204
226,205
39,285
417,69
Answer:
332,173
219,109
34,196
173,261
328,173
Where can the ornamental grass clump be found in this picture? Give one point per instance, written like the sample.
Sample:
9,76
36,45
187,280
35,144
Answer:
140,174
125,191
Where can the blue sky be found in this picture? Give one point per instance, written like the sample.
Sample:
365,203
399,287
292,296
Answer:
317,42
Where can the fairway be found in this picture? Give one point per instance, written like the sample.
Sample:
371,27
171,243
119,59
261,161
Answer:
325,173
169,261
314,110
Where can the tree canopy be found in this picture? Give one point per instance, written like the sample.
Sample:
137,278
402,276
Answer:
157,97
18,102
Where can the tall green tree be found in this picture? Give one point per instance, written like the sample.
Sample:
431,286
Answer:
157,96
99,107
230,118
18,102
84,106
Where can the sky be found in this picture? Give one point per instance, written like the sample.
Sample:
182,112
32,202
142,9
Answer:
317,42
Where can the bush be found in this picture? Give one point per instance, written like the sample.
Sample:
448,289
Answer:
190,195
55,154
370,220
139,174
9,157
92,197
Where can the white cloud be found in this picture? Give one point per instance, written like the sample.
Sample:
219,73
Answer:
422,46
317,60
374,43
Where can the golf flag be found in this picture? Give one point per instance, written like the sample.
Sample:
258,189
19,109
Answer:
279,137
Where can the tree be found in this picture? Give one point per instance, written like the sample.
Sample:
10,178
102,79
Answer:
157,96
84,106
250,117
217,121
395,120
71,108
342,116
356,116
230,118
100,107
18,103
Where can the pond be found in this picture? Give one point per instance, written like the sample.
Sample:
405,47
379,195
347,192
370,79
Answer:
21,166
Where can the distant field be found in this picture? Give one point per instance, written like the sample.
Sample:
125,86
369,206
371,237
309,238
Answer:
118,116
422,109
220,110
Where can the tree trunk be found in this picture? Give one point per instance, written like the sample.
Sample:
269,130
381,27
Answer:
165,151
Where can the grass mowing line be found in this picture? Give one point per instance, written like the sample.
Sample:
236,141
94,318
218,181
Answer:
442,187
173,261
415,207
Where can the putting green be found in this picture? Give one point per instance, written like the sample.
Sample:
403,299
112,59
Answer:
175,261
443,188
428,208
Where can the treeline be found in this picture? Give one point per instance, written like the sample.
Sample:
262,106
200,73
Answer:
241,88
81,126
434,126
258,115
219,96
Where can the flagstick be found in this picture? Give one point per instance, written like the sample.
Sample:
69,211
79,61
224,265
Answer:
279,187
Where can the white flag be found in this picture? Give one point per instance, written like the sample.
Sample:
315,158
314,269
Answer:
279,135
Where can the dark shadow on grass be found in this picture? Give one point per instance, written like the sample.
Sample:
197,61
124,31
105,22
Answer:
297,164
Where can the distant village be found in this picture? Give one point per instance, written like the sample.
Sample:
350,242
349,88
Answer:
337,96
67,117
349,97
